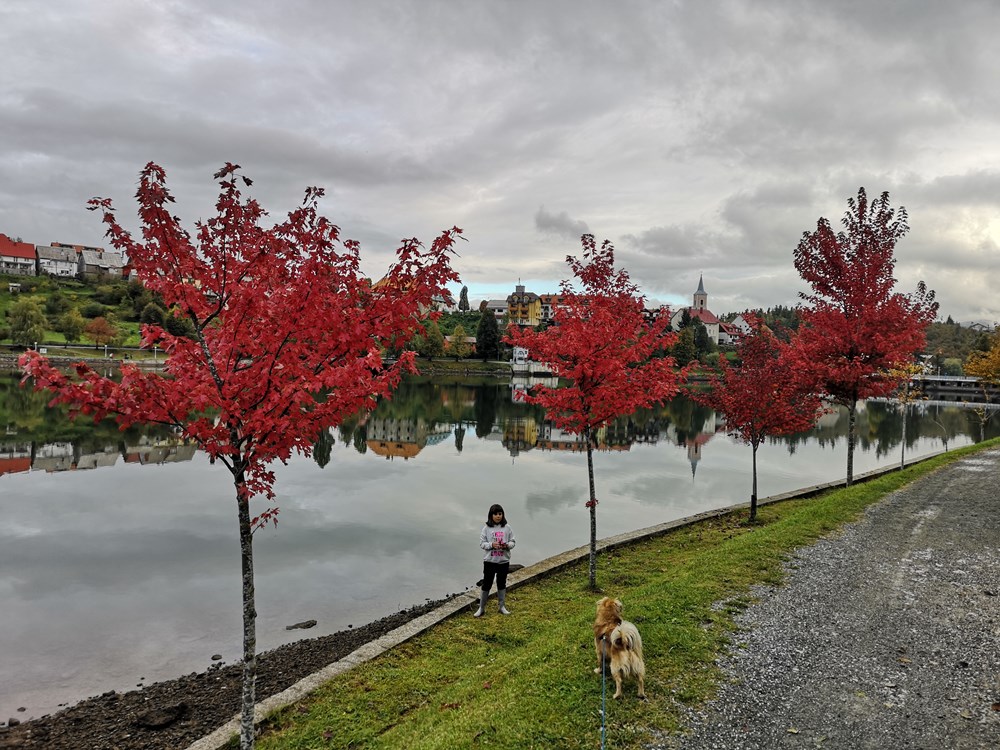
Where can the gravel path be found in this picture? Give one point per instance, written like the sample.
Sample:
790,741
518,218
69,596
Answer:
885,636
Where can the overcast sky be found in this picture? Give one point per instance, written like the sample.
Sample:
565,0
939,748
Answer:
699,137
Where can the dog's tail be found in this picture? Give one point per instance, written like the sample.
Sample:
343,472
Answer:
627,636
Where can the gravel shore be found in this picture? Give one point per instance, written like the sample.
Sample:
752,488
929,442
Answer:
886,635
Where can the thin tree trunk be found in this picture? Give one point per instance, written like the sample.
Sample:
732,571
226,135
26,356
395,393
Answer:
593,509
852,418
902,454
753,494
249,621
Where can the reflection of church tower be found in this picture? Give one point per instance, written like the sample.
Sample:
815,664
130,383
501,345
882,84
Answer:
694,454
700,296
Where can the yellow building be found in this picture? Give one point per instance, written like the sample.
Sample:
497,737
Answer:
524,308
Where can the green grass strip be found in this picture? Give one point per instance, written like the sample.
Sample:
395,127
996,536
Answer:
527,681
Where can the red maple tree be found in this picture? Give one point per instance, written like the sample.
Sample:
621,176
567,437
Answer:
603,345
767,395
287,340
855,328
100,331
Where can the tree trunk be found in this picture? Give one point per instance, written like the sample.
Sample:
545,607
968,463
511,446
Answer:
753,494
249,620
593,509
902,453
852,418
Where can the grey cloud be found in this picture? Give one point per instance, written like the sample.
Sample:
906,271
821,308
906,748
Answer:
560,224
696,136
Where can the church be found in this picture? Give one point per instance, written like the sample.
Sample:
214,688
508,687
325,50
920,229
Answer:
698,310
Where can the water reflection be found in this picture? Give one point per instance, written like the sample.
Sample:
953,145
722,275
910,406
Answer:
425,412
132,570
42,438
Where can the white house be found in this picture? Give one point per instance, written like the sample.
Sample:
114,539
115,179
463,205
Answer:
56,261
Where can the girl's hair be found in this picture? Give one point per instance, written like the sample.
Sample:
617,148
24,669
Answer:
496,508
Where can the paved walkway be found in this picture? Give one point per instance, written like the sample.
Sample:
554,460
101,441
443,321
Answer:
886,636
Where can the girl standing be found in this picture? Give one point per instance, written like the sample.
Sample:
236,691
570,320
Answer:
497,540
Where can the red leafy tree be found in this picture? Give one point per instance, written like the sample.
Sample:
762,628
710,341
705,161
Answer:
855,329
603,345
767,395
287,340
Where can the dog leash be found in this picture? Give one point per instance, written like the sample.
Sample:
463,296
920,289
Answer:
604,680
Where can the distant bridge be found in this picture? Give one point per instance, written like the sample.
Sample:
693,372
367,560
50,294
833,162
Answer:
957,388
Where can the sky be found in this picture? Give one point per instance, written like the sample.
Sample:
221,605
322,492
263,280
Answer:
701,138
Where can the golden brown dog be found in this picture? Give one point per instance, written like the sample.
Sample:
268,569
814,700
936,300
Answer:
618,643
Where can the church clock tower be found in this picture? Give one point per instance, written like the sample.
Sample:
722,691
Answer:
700,296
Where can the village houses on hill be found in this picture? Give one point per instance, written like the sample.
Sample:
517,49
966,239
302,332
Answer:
521,307
59,259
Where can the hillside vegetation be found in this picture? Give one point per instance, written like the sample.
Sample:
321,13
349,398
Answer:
56,311
48,310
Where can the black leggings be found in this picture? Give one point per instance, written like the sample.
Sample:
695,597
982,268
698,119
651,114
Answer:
491,569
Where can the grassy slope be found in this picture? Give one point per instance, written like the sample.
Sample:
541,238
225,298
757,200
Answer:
526,681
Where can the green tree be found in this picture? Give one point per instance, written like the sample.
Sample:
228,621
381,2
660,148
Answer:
71,325
136,299
56,304
703,344
433,340
459,347
26,320
488,337
685,350
153,314
463,299
176,325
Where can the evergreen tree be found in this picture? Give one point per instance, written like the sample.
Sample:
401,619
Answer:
323,448
488,337
463,299
702,341
485,409
684,350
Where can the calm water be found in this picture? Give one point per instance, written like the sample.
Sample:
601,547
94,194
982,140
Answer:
119,563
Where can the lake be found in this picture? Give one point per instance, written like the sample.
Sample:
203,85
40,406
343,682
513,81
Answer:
119,561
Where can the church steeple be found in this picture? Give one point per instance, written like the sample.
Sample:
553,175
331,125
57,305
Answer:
700,296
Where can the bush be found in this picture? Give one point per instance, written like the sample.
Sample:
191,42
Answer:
153,314
110,294
56,304
179,326
952,366
93,310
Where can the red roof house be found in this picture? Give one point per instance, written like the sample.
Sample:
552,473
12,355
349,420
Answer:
16,257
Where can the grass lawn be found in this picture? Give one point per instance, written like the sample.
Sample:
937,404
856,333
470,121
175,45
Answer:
527,681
